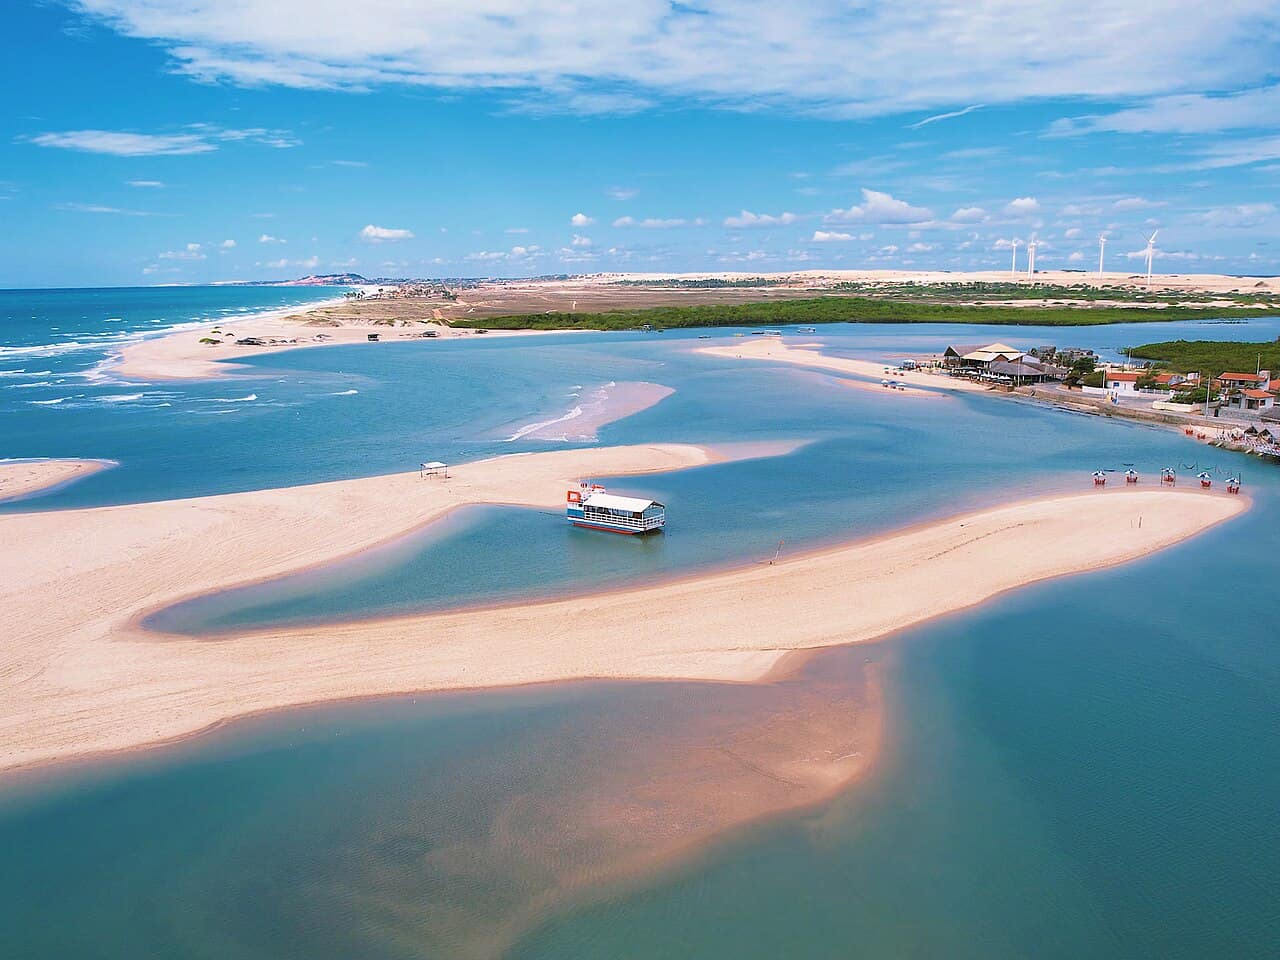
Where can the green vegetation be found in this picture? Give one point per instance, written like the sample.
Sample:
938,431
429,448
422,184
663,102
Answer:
1194,395
849,310
1211,356
1094,379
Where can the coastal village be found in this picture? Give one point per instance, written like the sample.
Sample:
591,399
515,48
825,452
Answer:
1232,409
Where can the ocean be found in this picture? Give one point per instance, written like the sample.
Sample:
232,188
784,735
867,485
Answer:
1082,767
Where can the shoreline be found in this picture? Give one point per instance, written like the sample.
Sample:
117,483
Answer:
25,478
179,354
94,683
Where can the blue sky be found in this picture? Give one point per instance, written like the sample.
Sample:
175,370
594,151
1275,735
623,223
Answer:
160,141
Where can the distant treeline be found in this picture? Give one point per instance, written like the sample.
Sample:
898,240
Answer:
1211,356
849,310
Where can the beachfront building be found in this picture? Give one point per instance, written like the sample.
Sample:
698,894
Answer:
1121,381
1000,362
1246,391
977,356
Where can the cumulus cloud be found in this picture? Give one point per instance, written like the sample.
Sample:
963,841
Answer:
822,56
748,219
268,238
374,234
581,241
829,236
877,207
195,138
1022,206
969,215
227,245
581,220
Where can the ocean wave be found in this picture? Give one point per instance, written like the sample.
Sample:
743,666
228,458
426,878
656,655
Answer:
25,373
114,320
344,393
28,386
48,403
120,398
573,414
251,397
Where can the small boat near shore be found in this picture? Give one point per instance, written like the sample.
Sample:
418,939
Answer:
592,507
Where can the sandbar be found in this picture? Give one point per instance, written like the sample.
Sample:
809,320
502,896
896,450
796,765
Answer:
807,355
20,479
80,676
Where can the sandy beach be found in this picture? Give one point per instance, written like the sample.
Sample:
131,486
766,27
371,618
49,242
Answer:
807,355
182,355
79,676
24,478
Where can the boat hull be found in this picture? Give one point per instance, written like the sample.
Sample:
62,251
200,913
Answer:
608,528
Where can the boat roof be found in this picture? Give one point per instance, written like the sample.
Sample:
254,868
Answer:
613,502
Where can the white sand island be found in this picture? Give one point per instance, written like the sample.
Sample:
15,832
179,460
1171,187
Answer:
79,676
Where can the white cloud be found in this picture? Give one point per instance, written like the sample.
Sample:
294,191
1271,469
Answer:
944,116
877,207
1022,206
657,223
969,215
748,219
195,138
516,230
1184,113
581,241
384,234
151,184
829,236
1072,233
227,245
191,251
581,220
1134,203
622,193
1076,257
268,238
1240,216
101,208
822,55
349,163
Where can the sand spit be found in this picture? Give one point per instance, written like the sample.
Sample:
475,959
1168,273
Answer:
182,356
807,355
25,478
79,676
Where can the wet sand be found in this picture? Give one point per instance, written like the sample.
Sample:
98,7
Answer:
79,676
595,407
20,479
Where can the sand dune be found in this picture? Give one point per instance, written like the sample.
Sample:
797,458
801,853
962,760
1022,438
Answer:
22,478
79,676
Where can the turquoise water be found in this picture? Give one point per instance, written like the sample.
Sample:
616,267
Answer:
1082,768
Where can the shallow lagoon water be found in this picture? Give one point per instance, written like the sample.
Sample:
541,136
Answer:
1086,767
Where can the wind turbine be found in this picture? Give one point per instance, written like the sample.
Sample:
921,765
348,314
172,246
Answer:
1014,268
1151,250
1031,258
1102,252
